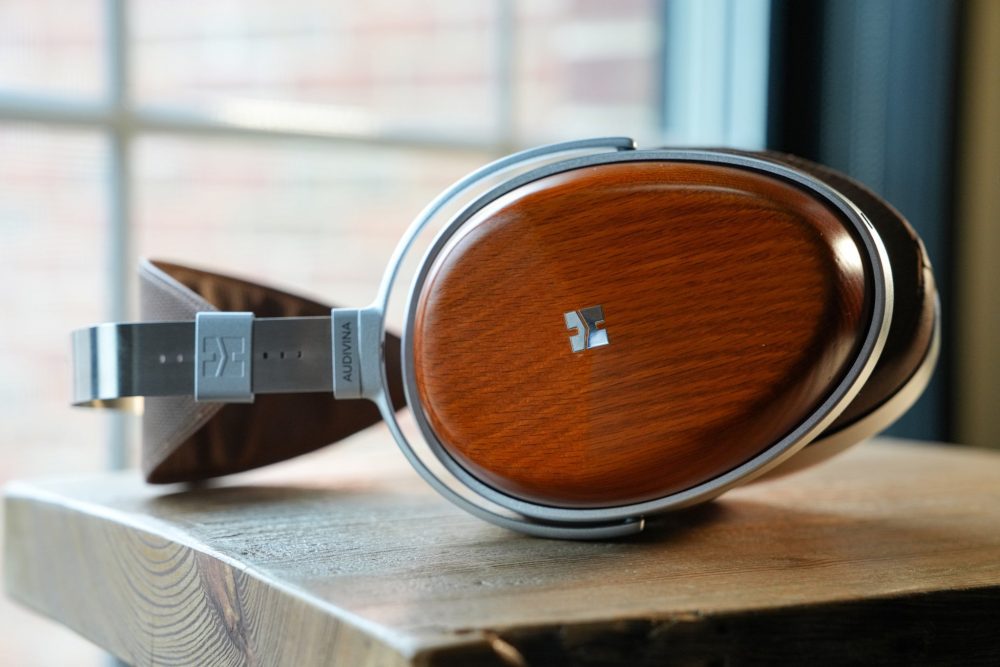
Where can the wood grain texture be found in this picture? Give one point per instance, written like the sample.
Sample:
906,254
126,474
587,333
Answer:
734,303
889,554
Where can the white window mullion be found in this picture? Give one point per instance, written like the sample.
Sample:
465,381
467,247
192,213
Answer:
119,249
717,69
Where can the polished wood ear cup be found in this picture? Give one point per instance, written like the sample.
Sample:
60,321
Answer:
731,303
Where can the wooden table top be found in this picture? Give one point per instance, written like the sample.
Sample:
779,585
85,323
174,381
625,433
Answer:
890,553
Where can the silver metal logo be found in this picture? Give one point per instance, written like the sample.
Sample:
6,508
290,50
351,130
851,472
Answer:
586,322
224,356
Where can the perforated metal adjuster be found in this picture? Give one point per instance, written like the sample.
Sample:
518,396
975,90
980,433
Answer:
223,357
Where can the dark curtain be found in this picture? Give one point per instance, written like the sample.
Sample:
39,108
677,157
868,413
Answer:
869,88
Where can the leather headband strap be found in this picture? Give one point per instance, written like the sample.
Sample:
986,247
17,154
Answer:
293,411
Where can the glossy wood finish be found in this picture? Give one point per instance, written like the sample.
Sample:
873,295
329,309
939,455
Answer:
734,303
889,555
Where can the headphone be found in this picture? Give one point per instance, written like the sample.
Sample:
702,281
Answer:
592,334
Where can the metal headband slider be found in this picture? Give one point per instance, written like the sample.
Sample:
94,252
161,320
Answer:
223,357
357,341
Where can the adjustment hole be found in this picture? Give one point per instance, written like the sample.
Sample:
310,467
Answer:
298,354
180,358
163,358
281,354
264,355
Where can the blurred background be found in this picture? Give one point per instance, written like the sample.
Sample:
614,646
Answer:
257,137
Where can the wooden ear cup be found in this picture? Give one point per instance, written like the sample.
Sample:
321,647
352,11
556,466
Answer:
618,333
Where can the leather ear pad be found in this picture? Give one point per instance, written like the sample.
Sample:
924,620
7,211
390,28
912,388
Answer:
914,291
914,294
186,441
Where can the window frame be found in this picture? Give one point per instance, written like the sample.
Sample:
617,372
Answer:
703,31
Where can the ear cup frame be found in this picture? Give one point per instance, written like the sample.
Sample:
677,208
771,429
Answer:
828,445
433,462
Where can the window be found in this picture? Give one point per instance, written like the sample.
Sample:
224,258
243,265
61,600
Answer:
265,138
261,138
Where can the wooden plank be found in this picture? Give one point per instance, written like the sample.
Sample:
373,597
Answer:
889,553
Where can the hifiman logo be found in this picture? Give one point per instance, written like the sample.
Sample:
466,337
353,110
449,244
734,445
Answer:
224,356
586,322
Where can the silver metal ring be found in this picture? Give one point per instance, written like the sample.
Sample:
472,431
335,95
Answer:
545,519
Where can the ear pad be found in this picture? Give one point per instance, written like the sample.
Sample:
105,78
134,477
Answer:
616,334
915,294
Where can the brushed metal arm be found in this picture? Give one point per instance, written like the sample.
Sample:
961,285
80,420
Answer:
280,355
